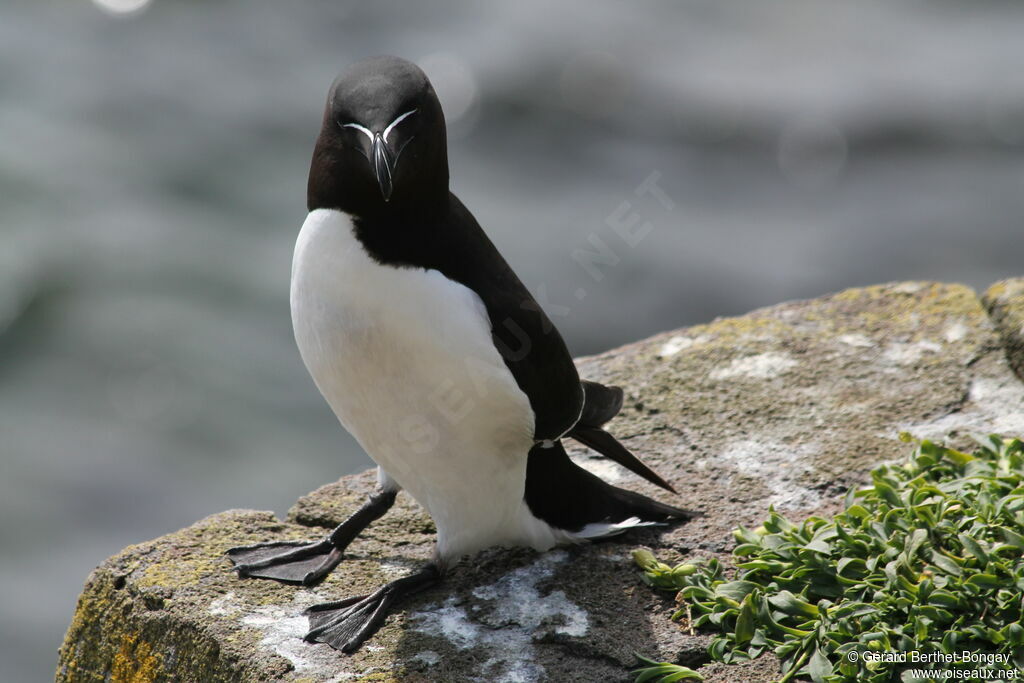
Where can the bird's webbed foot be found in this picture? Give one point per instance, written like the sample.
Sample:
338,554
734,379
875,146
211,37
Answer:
346,624
303,562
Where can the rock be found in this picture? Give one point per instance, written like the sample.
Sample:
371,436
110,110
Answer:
786,406
1005,303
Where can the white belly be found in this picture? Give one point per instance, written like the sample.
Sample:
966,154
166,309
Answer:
405,359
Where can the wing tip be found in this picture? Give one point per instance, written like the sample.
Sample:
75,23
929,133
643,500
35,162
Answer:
607,445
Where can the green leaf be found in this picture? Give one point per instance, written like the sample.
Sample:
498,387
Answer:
664,672
644,559
819,667
855,565
926,557
888,493
717,648
819,546
958,457
791,604
917,539
745,625
943,598
745,535
858,511
946,564
683,570
986,581
683,674
974,548
735,590
1012,537
746,549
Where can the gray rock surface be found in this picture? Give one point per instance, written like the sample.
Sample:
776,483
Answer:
786,406
1005,303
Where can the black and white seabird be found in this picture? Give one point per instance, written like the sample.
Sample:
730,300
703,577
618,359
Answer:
435,357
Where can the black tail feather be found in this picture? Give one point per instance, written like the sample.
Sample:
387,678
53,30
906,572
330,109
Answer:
569,497
608,446
600,403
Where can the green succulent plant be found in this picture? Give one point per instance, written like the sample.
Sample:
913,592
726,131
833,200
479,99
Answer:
928,559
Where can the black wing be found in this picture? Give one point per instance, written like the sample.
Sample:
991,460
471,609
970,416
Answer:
525,337
535,353
527,340
601,404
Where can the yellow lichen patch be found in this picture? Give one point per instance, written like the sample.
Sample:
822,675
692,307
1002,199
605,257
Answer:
996,291
92,616
179,572
90,606
1005,303
381,677
1005,294
1005,289
134,662
727,329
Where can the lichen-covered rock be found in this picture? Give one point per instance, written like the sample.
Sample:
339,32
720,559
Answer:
786,406
1005,303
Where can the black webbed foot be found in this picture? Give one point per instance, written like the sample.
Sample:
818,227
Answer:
287,561
346,624
303,562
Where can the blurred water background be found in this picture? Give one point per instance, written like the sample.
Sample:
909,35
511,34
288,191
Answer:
153,162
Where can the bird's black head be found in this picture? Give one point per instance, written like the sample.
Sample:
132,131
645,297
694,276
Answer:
382,146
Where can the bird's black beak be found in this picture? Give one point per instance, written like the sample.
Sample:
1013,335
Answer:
383,165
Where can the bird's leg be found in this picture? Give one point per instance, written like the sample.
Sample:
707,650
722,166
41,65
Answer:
309,563
346,624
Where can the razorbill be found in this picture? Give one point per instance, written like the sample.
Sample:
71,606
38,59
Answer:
435,357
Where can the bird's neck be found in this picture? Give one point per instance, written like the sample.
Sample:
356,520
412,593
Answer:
403,234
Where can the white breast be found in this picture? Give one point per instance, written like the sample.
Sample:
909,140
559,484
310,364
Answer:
404,357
